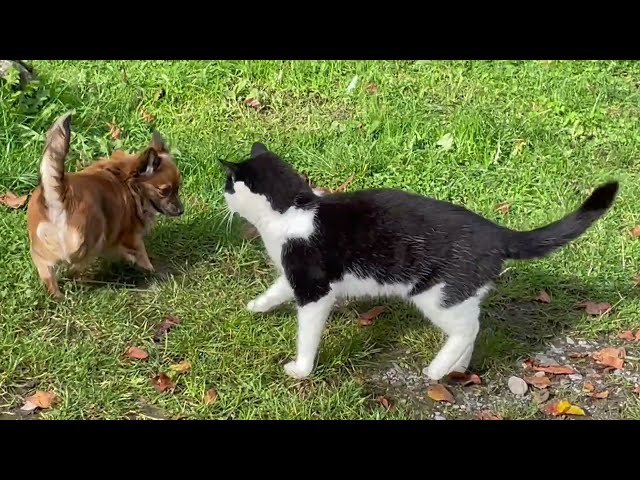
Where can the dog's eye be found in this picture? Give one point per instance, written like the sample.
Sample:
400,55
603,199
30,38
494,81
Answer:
165,191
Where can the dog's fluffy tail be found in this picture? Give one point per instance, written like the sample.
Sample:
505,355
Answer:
52,168
542,241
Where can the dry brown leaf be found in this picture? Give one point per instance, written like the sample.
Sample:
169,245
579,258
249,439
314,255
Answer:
595,308
181,367
253,103
543,296
555,369
114,131
39,399
372,88
147,117
635,232
503,207
13,201
488,415
211,396
626,335
610,357
563,407
588,387
439,393
538,382
465,379
578,354
137,353
599,395
637,389
345,184
528,364
162,382
365,319
162,329
385,402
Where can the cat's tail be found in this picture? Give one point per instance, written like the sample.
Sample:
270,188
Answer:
52,168
543,241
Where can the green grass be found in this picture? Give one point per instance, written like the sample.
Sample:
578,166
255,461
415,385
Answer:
539,135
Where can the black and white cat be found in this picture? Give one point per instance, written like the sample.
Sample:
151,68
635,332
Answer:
439,256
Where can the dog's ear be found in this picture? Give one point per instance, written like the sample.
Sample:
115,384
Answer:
148,162
157,142
258,149
229,167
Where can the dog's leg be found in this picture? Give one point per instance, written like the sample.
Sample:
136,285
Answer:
137,254
47,274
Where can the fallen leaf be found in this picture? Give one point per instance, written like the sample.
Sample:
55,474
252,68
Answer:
626,335
114,131
137,353
638,335
538,382
503,207
599,395
595,308
211,396
517,386
540,396
588,387
554,369
488,415
385,402
39,399
610,357
578,354
253,103
439,393
465,379
147,117
12,201
636,280
345,185
563,407
372,88
162,382
181,367
165,326
528,364
446,142
635,232
637,389
543,296
365,319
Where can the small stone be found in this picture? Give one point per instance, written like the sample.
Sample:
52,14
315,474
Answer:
582,343
576,377
517,385
570,341
545,360
439,417
539,374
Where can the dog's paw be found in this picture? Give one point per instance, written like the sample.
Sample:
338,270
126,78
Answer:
257,305
294,370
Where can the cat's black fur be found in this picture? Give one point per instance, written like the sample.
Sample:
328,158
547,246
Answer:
395,236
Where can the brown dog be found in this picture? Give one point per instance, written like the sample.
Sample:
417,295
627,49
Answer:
103,210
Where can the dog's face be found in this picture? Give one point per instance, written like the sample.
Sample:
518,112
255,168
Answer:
158,177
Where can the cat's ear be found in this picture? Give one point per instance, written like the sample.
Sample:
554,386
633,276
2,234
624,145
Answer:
303,199
258,149
229,167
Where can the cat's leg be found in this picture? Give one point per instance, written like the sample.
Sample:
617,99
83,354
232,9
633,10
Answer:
277,294
461,325
312,317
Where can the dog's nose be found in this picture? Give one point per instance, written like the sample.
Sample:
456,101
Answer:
180,211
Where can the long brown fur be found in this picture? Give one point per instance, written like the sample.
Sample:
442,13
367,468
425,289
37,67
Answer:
105,209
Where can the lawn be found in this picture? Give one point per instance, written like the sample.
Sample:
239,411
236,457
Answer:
537,135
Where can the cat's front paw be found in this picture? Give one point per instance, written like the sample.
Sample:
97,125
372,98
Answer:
257,305
297,371
436,372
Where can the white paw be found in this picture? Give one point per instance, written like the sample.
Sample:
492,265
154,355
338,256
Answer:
297,371
257,305
435,372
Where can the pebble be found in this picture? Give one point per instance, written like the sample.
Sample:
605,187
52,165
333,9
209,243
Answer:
439,417
582,343
517,385
576,377
545,360
539,374
570,341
